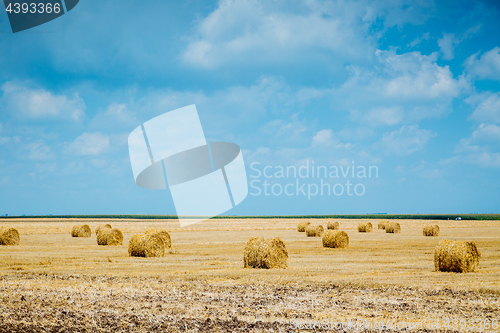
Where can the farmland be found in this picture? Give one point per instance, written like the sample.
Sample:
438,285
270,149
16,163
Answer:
53,282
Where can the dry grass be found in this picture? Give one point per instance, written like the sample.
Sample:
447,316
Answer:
108,236
51,283
431,230
265,253
301,227
335,239
9,236
393,228
381,225
146,245
456,256
365,227
314,230
163,234
102,226
333,225
81,231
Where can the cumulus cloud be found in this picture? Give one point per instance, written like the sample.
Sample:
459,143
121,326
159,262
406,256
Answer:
447,45
402,88
88,144
487,107
39,103
274,32
323,137
405,141
116,114
482,147
486,66
449,42
39,151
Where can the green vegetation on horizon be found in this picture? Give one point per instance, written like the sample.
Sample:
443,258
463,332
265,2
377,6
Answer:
367,216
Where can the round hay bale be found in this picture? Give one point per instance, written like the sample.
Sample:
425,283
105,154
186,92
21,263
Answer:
431,230
265,253
82,230
146,245
456,256
107,236
9,236
382,224
301,227
333,225
101,226
392,228
365,227
163,234
335,239
314,230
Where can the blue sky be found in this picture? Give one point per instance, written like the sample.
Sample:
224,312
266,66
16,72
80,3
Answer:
411,87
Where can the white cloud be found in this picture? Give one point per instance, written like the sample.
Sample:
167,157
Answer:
449,42
403,88
39,151
115,115
323,137
277,32
482,147
36,104
405,141
447,45
88,144
487,66
487,107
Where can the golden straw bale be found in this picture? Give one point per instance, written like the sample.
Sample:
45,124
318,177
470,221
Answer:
456,256
163,234
108,236
301,227
382,224
314,230
146,245
365,227
333,225
431,230
335,239
265,253
9,236
392,228
101,226
81,230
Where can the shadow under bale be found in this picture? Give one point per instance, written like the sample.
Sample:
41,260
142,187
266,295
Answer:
265,253
456,256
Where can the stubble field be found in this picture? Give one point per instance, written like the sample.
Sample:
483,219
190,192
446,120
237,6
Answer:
55,283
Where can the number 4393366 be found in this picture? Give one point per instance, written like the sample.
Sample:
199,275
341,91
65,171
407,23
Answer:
33,8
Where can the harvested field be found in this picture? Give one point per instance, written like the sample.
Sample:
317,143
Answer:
52,282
